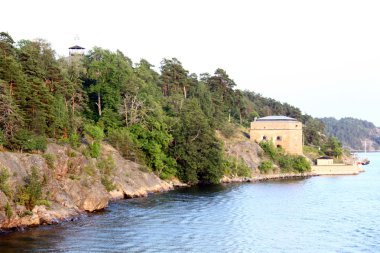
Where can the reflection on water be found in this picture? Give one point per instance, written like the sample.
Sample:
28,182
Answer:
319,214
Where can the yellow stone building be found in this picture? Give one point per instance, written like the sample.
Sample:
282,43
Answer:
283,131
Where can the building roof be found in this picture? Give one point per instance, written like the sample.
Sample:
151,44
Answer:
276,118
76,47
324,157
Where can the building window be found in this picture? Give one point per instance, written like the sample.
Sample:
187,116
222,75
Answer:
264,138
279,146
279,138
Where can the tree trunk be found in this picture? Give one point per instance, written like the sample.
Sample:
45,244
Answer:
125,110
184,92
99,104
73,104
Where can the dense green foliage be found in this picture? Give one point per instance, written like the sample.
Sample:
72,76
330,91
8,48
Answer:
332,147
352,132
166,121
265,166
286,162
236,167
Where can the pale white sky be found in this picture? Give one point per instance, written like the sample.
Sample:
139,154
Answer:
322,56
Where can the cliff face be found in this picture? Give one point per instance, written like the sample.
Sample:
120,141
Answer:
71,184
240,147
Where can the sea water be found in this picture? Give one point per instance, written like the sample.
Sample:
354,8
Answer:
317,214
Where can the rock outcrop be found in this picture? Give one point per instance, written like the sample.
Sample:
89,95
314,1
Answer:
71,184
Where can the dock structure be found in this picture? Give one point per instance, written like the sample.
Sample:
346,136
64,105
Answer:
336,169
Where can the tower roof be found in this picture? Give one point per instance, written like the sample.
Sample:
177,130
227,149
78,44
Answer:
76,47
276,118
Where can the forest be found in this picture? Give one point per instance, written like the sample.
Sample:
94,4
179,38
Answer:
352,132
166,120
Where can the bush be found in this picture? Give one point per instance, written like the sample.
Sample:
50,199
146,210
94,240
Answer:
70,153
286,163
2,139
8,210
94,135
31,192
43,202
106,166
121,140
265,166
301,164
27,141
89,169
38,143
95,132
50,159
236,167
333,147
273,152
74,140
94,149
227,130
108,183
312,152
4,185
26,213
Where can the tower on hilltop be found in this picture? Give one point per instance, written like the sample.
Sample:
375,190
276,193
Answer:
76,50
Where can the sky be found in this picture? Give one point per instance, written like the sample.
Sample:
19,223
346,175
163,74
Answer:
322,56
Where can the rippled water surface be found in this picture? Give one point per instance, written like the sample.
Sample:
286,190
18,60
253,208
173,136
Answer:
319,214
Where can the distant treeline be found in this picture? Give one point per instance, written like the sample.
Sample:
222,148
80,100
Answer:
352,132
165,121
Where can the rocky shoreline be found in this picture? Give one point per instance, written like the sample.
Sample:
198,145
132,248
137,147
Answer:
75,184
41,215
72,184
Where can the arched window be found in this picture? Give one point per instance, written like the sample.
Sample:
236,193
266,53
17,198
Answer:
279,146
264,138
279,138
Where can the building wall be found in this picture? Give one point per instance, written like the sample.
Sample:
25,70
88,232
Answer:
325,161
290,133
